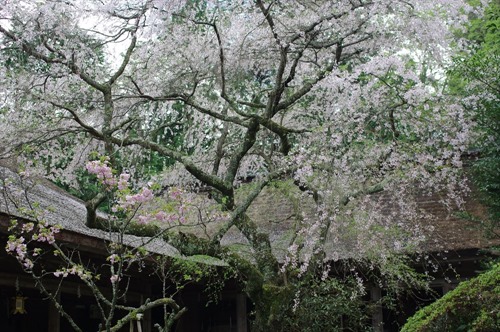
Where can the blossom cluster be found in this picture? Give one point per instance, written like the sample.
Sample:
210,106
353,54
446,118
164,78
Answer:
114,278
17,244
17,247
76,270
139,204
127,201
104,173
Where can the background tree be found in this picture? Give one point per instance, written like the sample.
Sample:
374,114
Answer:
474,305
323,93
475,78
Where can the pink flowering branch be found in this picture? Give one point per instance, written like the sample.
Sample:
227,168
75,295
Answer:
29,241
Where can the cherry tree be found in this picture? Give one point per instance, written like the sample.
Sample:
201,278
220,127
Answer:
341,98
53,262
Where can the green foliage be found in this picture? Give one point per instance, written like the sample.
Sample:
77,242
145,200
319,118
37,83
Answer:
315,305
473,306
487,177
477,73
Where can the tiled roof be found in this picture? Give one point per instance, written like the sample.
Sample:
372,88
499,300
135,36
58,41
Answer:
60,208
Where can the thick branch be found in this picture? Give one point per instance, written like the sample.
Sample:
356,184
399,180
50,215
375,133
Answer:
63,61
211,180
219,154
306,88
243,206
91,207
186,99
77,119
248,142
368,191
126,60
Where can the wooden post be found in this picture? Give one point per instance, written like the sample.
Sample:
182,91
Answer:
241,313
146,318
377,316
54,317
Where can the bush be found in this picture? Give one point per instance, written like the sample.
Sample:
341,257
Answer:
473,306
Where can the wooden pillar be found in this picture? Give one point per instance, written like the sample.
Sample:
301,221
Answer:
54,317
377,315
146,319
241,313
